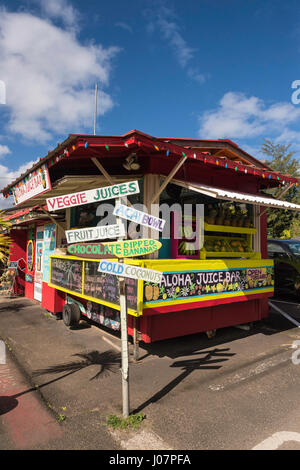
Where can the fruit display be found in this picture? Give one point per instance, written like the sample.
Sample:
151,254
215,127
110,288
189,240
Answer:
228,214
226,245
211,244
228,233
239,245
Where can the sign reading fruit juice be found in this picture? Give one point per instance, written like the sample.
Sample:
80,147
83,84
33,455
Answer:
95,233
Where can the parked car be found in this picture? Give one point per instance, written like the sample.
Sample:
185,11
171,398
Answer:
286,255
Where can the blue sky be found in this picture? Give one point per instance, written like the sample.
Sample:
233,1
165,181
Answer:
198,68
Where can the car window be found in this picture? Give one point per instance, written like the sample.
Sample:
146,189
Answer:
274,249
295,247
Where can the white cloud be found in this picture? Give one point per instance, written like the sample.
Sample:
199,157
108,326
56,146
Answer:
4,150
238,116
7,176
164,20
124,26
60,9
50,75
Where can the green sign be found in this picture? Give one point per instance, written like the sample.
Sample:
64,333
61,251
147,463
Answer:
122,249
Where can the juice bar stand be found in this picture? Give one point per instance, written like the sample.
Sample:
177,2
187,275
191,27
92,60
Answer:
225,281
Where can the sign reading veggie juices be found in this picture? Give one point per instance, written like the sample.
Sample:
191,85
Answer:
93,195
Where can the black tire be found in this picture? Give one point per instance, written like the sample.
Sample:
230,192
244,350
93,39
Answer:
71,314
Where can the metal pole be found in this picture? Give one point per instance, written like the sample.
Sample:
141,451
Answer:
124,345
95,111
124,337
135,341
284,314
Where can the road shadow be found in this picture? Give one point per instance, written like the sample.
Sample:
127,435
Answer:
13,306
210,361
108,362
7,404
187,345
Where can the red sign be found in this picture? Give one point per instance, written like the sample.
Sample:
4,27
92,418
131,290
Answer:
35,184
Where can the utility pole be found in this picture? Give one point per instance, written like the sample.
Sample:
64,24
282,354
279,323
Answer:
96,105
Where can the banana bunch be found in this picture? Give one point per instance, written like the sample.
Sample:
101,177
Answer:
186,231
187,248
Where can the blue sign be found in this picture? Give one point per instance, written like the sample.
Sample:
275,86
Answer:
49,247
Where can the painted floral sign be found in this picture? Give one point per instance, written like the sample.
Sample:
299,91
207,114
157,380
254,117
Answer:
184,285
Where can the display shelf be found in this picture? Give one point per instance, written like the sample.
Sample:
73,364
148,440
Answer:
229,229
224,235
229,254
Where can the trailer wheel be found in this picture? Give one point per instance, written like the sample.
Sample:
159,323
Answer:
71,314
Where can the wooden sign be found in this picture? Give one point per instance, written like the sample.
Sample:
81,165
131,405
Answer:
33,185
122,249
93,195
131,271
139,217
90,251
95,233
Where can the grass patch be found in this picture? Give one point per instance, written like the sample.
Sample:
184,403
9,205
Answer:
47,315
61,418
119,422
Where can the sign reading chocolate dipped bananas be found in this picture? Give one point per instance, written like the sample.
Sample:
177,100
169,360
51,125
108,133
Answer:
121,249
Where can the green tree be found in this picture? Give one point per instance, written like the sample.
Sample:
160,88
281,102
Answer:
283,223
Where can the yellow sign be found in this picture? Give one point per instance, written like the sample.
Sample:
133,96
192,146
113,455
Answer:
130,248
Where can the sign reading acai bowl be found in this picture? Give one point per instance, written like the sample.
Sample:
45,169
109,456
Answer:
37,183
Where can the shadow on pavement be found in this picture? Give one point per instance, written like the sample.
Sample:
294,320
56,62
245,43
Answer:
109,361
7,404
14,306
188,366
187,345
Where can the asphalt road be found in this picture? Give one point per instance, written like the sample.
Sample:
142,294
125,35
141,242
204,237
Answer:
238,390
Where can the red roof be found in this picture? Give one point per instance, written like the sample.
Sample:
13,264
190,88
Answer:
158,154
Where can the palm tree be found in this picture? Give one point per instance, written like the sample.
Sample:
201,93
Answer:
5,240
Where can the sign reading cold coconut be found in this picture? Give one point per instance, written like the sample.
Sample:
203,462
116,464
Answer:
93,195
121,249
131,271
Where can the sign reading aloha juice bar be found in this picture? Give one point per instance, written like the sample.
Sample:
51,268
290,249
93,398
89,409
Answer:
93,195
131,271
35,184
122,249
139,217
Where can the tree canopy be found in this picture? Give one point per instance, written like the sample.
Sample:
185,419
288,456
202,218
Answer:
4,238
283,223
